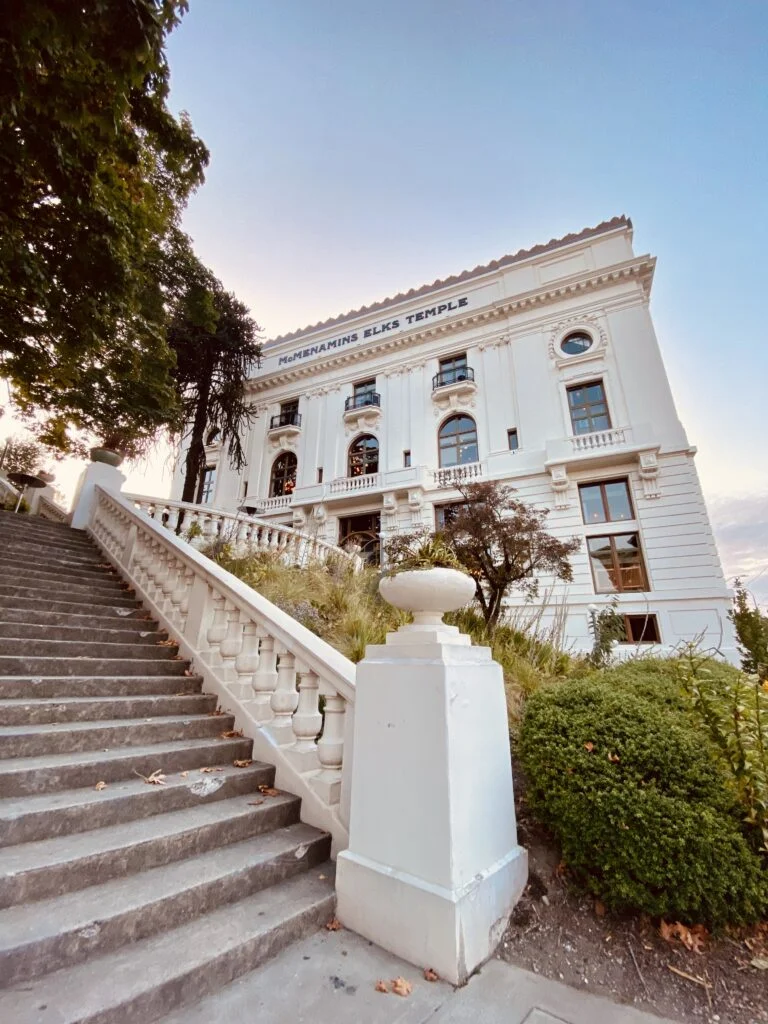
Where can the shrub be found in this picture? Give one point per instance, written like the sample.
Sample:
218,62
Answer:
631,788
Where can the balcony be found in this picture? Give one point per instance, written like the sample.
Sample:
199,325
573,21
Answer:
355,484
284,429
363,411
452,476
453,388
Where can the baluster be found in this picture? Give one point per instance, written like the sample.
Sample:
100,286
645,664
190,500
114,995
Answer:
246,663
217,629
180,595
265,679
330,750
232,643
210,529
171,579
307,721
284,698
173,518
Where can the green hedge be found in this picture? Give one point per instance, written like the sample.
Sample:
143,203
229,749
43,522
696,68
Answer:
631,787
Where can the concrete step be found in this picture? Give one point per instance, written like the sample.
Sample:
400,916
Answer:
27,687
64,599
50,582
63,589
55,772
36,871
86,556
38,666
8,519
15,647
37,631
142,981
77,737
99,709
28,819
42,541
12,568
65,930
101,617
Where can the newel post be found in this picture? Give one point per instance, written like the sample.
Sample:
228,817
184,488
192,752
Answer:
433,868
108,477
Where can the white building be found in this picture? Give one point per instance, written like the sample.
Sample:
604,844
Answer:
541,369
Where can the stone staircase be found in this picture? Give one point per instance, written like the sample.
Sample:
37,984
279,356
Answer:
123,898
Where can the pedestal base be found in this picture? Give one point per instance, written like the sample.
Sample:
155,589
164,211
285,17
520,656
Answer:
452,932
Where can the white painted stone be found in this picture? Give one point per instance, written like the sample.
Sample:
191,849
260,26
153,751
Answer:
428,593
108,477
433,867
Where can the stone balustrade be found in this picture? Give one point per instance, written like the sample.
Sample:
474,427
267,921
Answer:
48,509
264,666
469,473
352,484
202,525
598,439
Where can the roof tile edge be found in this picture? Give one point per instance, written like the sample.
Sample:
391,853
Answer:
621,221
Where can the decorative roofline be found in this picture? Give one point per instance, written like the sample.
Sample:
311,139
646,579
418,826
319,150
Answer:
640,268
518,257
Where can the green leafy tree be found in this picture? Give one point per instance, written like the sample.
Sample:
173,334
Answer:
216,346
22,455
752,633
94,171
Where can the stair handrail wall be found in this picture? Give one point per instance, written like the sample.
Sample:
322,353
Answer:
207,524
47,509
264,666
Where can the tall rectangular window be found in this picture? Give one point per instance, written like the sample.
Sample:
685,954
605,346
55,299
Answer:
406,458
513,441
608,502
617,563
365,387
207,485
588,407
453,368
445,513
319,474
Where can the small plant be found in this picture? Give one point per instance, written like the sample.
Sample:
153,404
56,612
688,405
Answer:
419,550
752,632
606,626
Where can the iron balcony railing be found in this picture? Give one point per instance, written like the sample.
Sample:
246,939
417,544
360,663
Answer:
361,400
285,419
453,376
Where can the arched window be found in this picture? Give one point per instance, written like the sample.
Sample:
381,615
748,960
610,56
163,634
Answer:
283,475
363,456
457,441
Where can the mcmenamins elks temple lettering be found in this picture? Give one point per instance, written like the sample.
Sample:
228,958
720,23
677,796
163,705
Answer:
542,370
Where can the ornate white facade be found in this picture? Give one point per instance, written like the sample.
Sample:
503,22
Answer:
542,370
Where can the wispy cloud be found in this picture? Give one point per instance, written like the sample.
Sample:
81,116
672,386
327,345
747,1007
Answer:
740,524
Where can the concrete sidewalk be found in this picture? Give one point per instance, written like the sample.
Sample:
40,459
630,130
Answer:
330,978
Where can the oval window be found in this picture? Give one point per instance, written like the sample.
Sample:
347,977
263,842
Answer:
576,343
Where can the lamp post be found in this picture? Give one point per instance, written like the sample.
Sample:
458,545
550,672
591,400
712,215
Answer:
593,610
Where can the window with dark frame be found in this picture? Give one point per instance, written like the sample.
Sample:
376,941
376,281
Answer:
363,456
513,441
453,368
283,477
406,458
319,474
366,387
445,513
617,563
609,501
588,407
642,629
245,488
457,442
207,484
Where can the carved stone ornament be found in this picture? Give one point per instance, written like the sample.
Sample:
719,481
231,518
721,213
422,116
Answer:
649,474
284,438
498,342
365,419
299,519
559,483
588,323
319,513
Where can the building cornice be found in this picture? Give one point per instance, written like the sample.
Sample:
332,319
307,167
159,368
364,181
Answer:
639,269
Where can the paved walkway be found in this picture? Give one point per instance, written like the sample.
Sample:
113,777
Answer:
330,978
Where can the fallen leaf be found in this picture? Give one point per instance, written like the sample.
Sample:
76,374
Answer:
207,771
189,672
430,975
692,938
155,779
589,747
231,734
245,763
218,711
381,986
255,803
760,962
599,908
268,791
614,758
166,643
334,925
184,774
401,987
100,785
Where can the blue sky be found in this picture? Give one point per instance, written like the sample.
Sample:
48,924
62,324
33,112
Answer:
363,148
359,149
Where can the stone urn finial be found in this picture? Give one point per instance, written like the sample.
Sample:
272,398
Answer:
428,594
